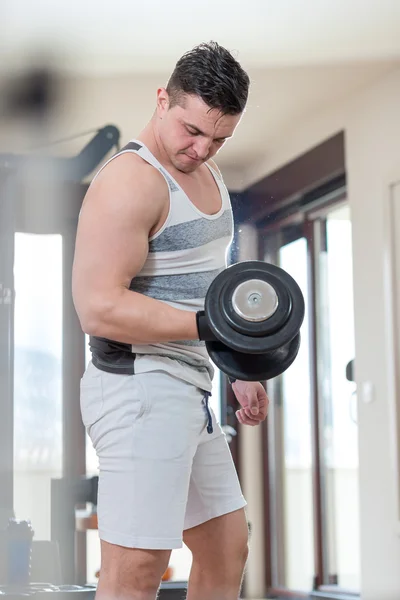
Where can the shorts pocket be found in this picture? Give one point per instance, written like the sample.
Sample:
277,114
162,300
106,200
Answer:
173,415
91,395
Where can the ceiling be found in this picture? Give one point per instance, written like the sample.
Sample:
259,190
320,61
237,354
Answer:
301,55
99,36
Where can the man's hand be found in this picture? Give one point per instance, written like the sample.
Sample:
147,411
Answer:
254,401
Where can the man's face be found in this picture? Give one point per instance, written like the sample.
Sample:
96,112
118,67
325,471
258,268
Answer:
191,132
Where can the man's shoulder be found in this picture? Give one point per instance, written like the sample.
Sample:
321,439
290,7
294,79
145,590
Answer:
127,167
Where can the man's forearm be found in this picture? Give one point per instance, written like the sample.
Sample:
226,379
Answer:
134,318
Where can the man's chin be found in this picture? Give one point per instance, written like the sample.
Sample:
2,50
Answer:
188,166
187,170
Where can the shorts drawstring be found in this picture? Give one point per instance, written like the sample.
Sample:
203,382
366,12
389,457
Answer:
209,424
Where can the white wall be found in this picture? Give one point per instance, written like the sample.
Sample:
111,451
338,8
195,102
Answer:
372,136
373,151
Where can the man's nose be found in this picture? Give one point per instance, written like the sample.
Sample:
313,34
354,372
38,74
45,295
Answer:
202,147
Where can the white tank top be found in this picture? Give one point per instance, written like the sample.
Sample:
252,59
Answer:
184,257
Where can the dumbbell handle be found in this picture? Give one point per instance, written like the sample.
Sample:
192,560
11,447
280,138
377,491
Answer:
205,333
203,328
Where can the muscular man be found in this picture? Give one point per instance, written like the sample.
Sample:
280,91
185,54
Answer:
153,233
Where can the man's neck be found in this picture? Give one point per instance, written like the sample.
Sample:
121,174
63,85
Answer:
151,139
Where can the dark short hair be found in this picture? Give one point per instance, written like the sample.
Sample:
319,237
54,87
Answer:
212,73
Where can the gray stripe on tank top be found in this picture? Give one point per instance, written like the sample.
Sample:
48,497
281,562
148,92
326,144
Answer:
192,234
174,288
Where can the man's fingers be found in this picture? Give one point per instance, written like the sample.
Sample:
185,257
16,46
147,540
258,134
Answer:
244,419
257,418
256,403
253,404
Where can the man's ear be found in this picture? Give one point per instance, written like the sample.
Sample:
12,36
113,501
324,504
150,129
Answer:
162,101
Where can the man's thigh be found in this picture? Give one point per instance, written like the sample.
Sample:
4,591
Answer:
214,487
145,436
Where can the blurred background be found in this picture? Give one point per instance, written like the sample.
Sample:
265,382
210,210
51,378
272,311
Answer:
314,176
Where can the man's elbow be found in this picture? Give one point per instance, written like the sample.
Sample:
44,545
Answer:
92,319
91,326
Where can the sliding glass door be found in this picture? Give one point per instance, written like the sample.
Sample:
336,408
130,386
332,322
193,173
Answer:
312,428
339,443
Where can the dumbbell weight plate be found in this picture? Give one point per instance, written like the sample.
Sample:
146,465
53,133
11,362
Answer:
234,328
251,367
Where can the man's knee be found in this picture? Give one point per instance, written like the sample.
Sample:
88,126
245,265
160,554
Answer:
238,542
130,572
223,567
224,539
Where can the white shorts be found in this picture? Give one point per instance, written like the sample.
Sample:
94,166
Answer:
161,471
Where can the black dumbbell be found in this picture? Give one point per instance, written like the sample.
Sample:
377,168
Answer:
252,319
